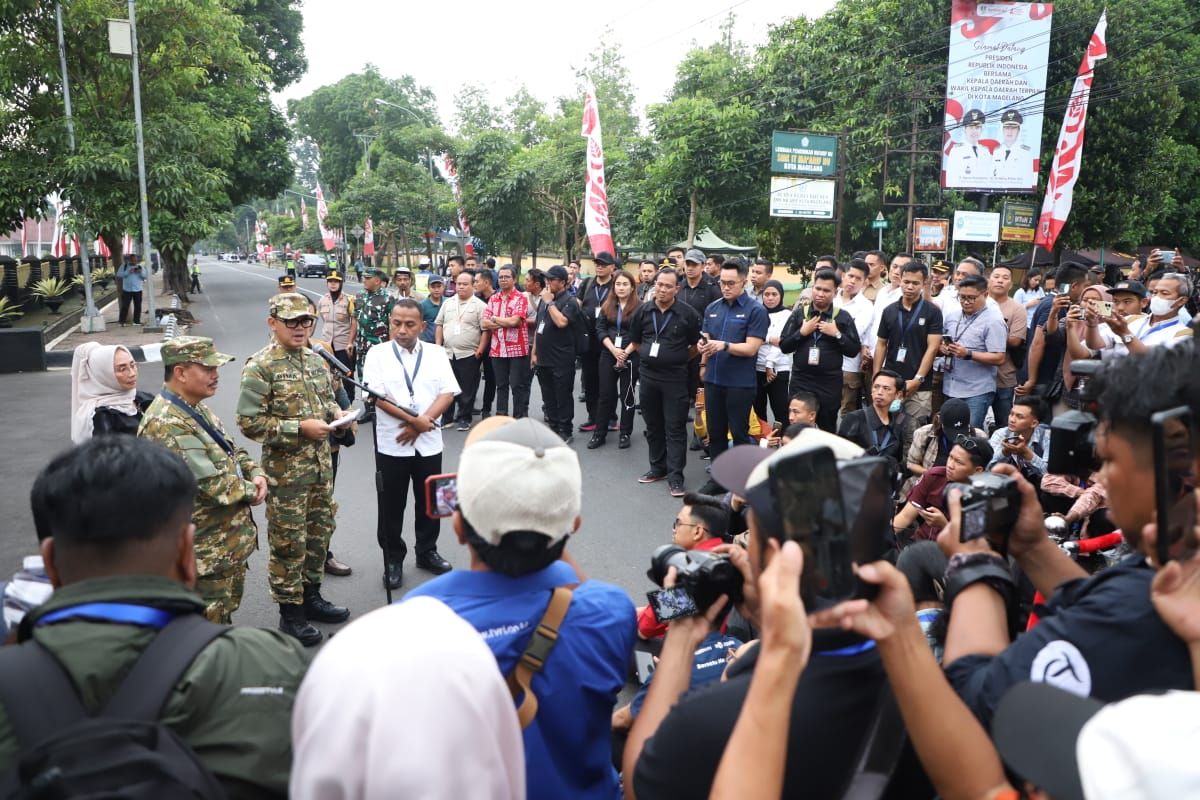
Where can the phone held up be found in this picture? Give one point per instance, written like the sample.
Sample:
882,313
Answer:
441,495
1174,501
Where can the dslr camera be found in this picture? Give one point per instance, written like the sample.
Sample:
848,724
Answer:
1073,434
990,503
702,575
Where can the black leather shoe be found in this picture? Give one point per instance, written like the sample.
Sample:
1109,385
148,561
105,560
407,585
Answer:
319,609
623,442
393,575
594,442
293,622
432,561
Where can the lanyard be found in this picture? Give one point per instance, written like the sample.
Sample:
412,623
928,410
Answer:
621,308
851,650
887,437
654,321
958,331
911,318
416,368
600,297
126,613
199,419
1162,326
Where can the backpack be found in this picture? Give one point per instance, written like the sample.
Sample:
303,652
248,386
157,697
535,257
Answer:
124,750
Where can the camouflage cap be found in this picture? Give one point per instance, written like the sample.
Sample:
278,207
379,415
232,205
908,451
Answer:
290,305
375,272
193,350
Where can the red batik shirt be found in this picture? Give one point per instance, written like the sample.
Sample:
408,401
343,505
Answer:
509,342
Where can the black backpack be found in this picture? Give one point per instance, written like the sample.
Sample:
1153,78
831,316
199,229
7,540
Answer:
124,751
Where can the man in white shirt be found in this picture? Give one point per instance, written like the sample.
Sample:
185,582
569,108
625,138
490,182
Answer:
420,386
460,331
854,302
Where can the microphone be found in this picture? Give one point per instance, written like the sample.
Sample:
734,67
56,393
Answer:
332,359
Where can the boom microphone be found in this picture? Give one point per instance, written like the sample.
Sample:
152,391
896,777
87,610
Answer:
332,359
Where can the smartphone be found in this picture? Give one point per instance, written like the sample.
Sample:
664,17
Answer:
673,603
1064,289
1103,308
1174,502
809,498
1167,256
441,495
916,505
1014,439
644,662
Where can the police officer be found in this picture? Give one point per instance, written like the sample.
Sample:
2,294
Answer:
371,310
287,283
228,481
291,267
1013,163
335,309
286,402
967,160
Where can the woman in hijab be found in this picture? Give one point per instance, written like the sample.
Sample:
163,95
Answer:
390,703
774,368
104,395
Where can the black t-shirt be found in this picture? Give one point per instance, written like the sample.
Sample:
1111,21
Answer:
864,428
910,330
675,330
555,345
699,298
592,295
834,706
828,368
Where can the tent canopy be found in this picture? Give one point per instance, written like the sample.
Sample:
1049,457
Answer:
709,242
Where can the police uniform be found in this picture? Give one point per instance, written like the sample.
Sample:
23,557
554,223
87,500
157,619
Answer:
967,163
225,531
280,388
372,312
1013,164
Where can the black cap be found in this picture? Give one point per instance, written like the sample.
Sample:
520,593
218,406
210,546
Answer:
604,257
1011,117
956,418
558,272
974,117
1132,287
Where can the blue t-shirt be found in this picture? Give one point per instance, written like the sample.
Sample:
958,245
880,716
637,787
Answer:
568,746
734,322
708,665
429,312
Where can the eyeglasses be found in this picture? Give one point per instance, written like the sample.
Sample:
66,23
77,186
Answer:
968,443
728,284
299,322
676,523
967,298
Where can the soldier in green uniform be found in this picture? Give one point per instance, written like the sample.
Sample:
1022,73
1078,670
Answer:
227,479
372,309
286,402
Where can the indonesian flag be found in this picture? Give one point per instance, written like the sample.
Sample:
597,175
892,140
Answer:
327,236
102,248
303,215
24,237
595,197
1068,155
368,238
59,247
449,171
127,243
74,251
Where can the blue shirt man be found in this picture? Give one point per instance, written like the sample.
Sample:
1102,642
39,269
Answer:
974,341
516,540
131,275
430,307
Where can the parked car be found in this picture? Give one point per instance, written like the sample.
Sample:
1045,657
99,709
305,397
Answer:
313,265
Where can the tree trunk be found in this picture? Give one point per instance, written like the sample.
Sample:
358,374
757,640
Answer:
516,254
562,234
175,275
691,235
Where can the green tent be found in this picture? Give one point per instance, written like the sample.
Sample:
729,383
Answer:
709,242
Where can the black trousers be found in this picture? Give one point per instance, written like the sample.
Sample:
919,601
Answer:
466,372
664,410
775,393
398,472
693,377
727,410
489,384
590,375
344,357
829,397
123,307
558,387
516,375
195,287
616,393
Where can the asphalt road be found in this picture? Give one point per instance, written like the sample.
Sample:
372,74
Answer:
622,520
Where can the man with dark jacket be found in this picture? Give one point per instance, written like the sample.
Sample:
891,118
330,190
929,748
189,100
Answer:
820,334
119,577
555,340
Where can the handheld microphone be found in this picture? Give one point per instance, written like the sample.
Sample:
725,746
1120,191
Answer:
332,359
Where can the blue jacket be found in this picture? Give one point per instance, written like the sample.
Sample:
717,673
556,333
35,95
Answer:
131,281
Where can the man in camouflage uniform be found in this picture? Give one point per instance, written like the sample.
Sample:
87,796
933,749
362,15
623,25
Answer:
372,309
228,481
286,402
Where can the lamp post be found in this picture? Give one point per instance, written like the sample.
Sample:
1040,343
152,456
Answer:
429,157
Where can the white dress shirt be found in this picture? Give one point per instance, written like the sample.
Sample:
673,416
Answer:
385,373
862,311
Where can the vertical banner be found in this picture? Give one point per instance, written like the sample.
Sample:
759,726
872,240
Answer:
327,237
368,248
127,243
102,248
595,196
995,95
303,215
24,237
449,172
58,248
1068,155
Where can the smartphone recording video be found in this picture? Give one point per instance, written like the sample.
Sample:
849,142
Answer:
441,495
1174,482
673,603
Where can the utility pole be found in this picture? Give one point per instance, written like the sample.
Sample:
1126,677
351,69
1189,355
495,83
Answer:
152,320
366,139
910,204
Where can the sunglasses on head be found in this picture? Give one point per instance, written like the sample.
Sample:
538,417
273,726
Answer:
967,443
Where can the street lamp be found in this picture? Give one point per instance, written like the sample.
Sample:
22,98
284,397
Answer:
428,157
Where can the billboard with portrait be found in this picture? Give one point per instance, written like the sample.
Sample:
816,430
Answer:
995,95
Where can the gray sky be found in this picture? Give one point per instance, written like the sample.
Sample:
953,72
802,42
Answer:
535,42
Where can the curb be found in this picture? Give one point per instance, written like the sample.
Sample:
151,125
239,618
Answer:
142,354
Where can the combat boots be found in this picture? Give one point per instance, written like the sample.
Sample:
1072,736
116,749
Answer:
293,622
319,609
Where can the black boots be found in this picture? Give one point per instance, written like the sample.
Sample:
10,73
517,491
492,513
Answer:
293,622
319,609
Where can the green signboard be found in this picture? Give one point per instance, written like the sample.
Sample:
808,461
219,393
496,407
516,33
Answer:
809,154
1018,221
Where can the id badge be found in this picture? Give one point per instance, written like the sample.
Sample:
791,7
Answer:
654,350
541,327
617,342
901,354
457,329
814,357
597,312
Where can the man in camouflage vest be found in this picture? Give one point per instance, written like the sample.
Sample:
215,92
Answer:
228,481
372,309
286,402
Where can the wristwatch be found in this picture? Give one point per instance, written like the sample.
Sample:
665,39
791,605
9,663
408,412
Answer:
725,348
969,357
1127,338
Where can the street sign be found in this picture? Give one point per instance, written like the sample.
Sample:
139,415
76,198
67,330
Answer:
803,198
931,235
1018,221
879,223
810,154
976,226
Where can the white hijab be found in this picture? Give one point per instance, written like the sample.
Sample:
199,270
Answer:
93,385
406,702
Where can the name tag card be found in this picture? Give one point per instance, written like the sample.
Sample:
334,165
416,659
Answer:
654,350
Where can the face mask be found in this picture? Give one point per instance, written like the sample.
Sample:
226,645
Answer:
1160,306
895,406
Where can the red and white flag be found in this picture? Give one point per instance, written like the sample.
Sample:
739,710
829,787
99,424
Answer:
127,243
59,247
449,172
368,238
1068,155
24,237
595,196
102,248
74,251
327,236
303,215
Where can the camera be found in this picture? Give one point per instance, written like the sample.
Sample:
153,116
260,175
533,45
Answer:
990,503
705,576
1073,434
